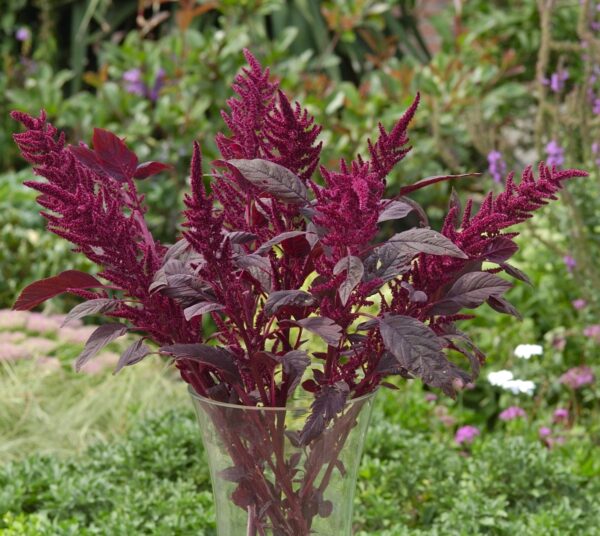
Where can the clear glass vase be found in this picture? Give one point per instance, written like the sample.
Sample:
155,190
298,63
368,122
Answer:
266,484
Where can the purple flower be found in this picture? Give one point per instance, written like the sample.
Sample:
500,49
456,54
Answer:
570,262
511,413
555,154
23,34
134,83
544,432
578,377
557,80
579,304
431,397
497,166
159,82
466,434
596,151
596,106
560,415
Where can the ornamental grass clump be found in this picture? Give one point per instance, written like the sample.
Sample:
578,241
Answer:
278,248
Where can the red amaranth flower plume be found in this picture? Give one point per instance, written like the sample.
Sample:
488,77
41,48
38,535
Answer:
272,256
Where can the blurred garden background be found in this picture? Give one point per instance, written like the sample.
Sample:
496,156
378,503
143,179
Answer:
504,83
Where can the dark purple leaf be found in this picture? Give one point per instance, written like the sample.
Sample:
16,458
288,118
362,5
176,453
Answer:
147,169
88,158
273,179
324,327
328,402
387,262
314,233
354,269
277,240
432,180
500,249
240,237
44,289
418,350
470,291
187,289
387,364
287,298
98,340
201,308
426,241
503,306
258,267
516,273
113,155
416,296
325,508
460,342
179,247
91,307
394,210
294,459
266,360
233,474
294,364
134,354
170,267
212,356
368,324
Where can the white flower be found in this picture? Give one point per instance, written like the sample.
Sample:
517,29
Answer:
500,377
520,386
506,380
525,351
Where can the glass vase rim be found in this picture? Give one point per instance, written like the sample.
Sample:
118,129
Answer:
210,401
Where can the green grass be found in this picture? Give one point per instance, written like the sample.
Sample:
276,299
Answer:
61,413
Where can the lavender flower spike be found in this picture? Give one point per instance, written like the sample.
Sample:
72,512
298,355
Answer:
497,166
556,154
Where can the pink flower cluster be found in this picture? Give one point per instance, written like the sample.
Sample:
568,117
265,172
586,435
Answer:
466,435
511,413
578,377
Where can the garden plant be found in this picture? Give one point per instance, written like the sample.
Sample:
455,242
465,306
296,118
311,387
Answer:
283,286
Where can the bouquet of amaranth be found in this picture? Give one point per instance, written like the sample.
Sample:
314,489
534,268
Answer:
279,246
